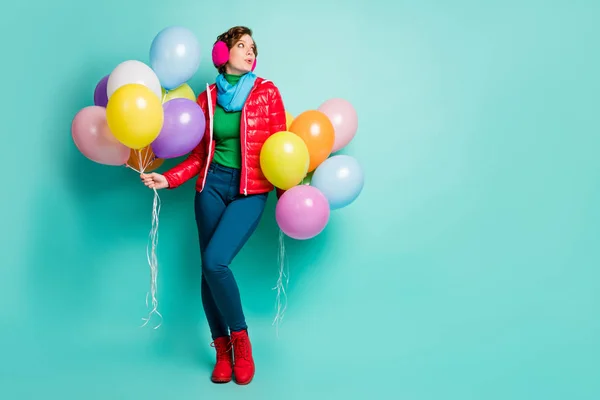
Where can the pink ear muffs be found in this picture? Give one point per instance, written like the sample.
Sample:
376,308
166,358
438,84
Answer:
220,55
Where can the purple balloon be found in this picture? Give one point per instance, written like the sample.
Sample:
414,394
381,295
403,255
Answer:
182,130
100,94
302,212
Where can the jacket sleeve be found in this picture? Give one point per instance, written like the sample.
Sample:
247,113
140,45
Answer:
192,165
277,122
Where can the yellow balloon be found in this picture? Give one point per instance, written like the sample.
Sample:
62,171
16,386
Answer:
182,92
284,159
135,115
288,120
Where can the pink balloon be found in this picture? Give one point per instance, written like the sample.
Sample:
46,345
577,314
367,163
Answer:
344,119
94,139
302,212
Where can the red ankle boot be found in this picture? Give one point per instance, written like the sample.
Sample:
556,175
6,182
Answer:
243,368
224,365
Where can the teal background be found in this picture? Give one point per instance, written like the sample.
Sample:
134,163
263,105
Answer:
467,268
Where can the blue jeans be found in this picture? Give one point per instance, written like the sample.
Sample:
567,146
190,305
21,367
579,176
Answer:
226,220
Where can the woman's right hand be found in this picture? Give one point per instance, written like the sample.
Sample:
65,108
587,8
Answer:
154,180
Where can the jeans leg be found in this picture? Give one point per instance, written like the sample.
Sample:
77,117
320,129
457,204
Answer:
237,224
209,207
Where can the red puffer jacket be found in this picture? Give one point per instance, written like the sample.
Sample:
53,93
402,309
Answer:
263,115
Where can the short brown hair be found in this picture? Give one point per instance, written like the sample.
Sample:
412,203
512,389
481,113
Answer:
231,37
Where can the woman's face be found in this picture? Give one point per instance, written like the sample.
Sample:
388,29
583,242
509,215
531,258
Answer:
241,56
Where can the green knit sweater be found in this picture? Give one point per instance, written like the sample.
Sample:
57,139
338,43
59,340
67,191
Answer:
226,132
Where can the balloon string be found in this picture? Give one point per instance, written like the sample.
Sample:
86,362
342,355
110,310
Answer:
153,261
142,160
145,160
280,286
151,247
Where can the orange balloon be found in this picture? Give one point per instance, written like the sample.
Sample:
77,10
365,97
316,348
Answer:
145,159
317,131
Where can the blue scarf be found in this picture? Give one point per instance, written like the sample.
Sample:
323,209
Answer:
233,97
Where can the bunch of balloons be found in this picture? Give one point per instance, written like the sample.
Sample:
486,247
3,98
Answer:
312,180
145,113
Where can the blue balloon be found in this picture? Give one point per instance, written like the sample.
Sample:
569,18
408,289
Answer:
340,178
174,56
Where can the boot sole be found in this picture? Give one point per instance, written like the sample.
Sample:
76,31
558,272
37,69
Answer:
224,380
243,383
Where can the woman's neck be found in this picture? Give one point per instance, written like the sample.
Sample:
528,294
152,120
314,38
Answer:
232,71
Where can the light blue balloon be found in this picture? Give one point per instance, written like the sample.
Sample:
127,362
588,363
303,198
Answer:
174,56
340,178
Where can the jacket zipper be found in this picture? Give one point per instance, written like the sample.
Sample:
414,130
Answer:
245,152
210,133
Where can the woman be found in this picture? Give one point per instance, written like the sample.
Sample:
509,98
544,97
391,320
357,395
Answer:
242,111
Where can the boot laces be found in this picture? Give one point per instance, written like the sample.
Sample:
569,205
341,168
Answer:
222,351
240,346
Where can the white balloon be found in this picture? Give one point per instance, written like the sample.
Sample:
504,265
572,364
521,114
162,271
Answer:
133,71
